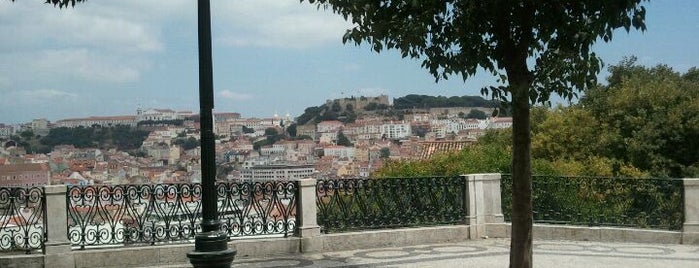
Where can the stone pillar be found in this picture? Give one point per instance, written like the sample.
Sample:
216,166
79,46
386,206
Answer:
482,203
57,251
308,228
690,229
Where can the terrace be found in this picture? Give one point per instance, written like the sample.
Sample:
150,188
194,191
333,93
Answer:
154,225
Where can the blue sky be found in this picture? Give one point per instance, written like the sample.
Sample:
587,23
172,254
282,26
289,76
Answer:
110,57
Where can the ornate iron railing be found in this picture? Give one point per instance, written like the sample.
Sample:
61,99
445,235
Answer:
162,213
22,221
353,204
599,201
259,208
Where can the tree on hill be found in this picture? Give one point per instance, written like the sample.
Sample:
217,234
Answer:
343,140
62,3
649,118
291,130
476,114
535,49
424,101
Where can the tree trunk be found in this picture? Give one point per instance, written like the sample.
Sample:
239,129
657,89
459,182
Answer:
522,219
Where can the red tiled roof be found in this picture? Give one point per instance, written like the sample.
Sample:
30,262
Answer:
427,149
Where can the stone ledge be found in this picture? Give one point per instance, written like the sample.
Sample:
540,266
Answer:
22,261
394,237
586,233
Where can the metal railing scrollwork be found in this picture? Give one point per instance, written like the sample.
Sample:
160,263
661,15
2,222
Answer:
258,208
600,201
164,213
22,221
355,204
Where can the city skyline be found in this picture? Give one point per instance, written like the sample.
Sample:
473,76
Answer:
270,56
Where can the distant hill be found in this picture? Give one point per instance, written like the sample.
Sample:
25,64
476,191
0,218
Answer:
424,101
347,110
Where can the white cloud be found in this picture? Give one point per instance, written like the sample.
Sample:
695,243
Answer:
230,95
276,23
49,66
101,41
35,25
48,94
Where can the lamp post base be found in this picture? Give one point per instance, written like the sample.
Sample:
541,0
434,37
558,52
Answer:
211,250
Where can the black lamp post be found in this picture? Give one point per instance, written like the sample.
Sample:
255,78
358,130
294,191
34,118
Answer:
211,245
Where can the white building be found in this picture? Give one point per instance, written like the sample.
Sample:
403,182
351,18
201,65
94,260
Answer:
102,121
339,151
330,126
161,115
276,172
274,149
396,130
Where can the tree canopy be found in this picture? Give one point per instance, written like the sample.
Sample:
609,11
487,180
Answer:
62,3
424,101
650,116
535,48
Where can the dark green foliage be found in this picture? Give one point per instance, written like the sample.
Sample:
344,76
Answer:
62,3
310,114
119,137
385,153
601,201
476,114
248,130
291,130
342,140
272,135
27,134
420,131
188,143
423,101
648,118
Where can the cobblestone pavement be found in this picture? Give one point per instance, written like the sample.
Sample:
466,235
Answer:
494,253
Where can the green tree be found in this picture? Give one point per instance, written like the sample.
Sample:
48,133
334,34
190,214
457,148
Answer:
62,3
343,140
188,144
476,114
272,135
27,134
651,118
385,153
291,130
535,48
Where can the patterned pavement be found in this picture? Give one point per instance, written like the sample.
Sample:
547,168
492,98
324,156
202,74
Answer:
494,253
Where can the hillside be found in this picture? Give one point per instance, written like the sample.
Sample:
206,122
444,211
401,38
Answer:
348,109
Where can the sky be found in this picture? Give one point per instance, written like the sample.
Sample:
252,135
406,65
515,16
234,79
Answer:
106,57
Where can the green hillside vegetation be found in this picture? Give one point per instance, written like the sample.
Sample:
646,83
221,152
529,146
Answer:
644,122
119,137
316,114
348,114
424,101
